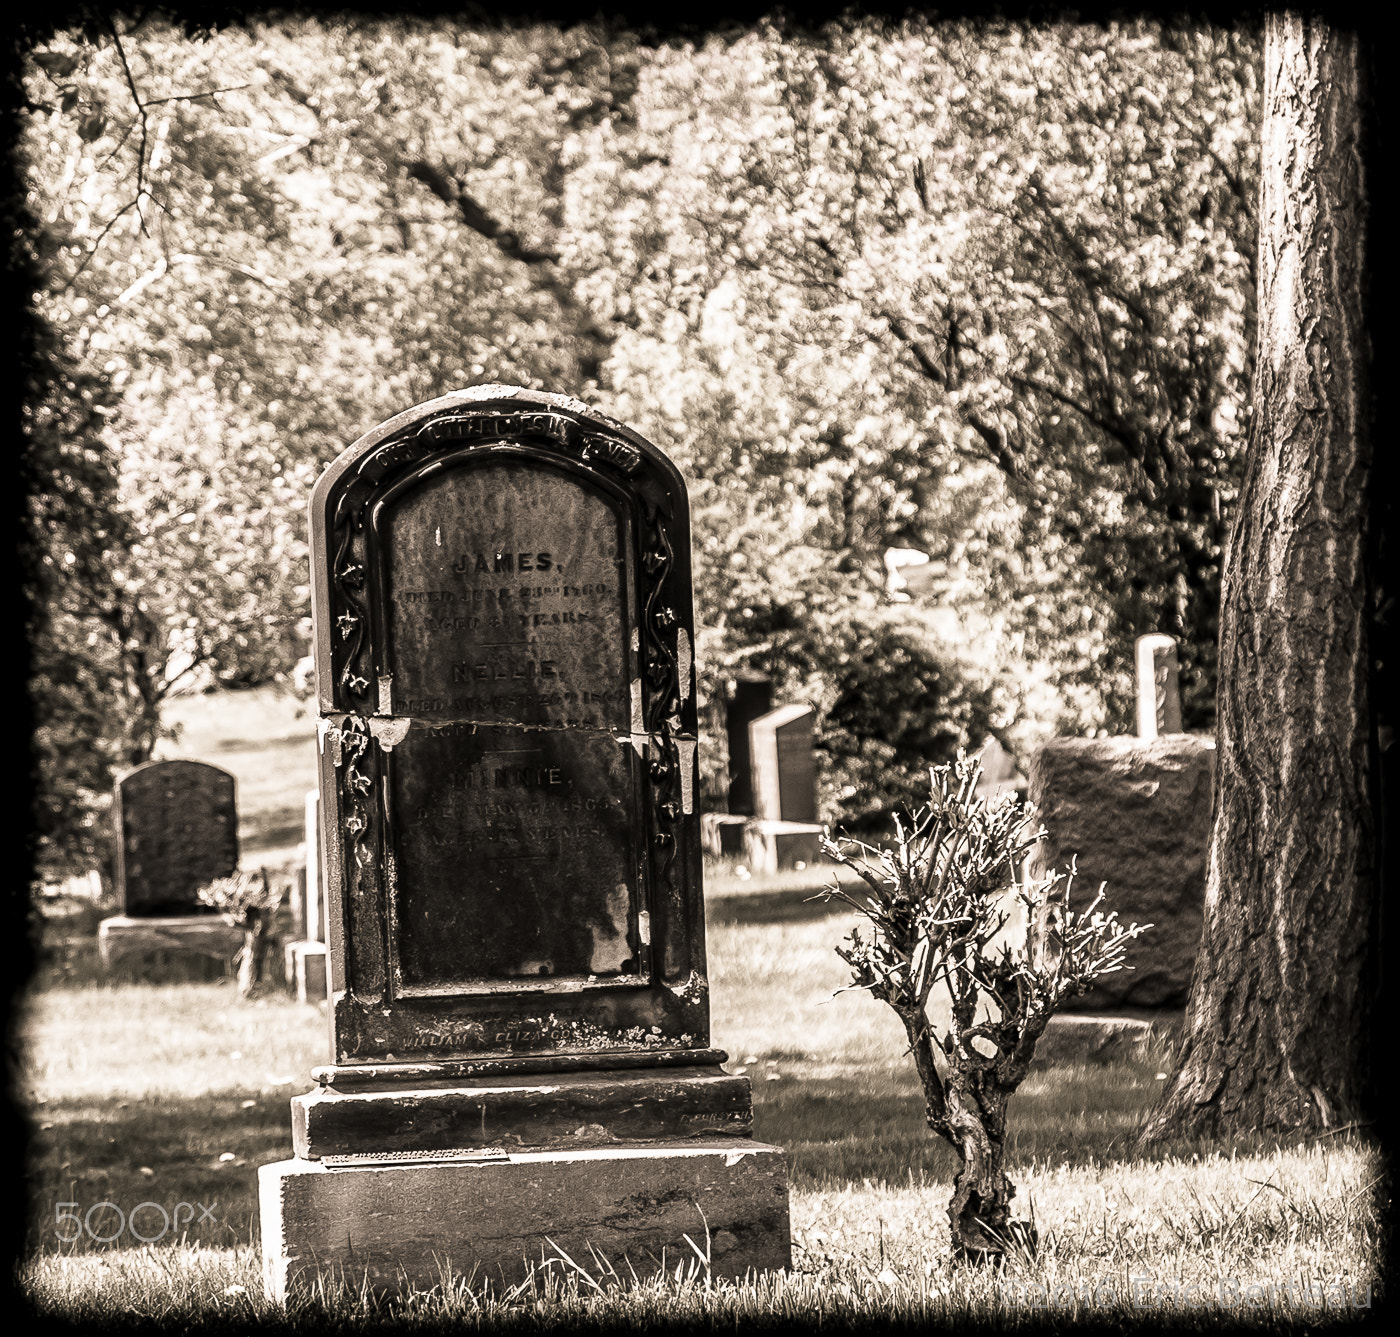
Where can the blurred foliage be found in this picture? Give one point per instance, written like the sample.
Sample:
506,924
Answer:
981,291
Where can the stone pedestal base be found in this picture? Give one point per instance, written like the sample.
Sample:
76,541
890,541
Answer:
722,833
770,846
409,1224
306,970
522,1113
1104,1039
203,935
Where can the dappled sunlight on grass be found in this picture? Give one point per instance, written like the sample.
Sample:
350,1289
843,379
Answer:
1286,1237
177,1093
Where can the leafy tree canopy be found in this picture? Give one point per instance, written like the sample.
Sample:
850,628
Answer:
983,291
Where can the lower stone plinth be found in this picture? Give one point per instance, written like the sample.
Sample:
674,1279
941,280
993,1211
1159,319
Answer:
772,846
208,935
1104,1039
405,1226
517,1113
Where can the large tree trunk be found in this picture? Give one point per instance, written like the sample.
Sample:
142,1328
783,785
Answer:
1279,1003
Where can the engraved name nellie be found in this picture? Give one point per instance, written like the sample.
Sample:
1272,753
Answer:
464,670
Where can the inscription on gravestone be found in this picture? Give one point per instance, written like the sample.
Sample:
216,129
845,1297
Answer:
176,829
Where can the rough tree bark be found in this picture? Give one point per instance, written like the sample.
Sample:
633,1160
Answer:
1276,1020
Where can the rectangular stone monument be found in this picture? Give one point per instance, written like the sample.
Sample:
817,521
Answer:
306,955
175,828
1158,686
785,831
1133,816
519,1001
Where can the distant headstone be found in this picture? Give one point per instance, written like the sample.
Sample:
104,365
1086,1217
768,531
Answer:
1135,816
785,831
305,955
504,658
1158,686
784,772
315,913
999,772
176,829
750,695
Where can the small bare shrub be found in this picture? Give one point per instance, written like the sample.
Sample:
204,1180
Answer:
935,902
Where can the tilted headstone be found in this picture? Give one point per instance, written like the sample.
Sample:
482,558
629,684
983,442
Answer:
176,829
1158,686
503,632
750,695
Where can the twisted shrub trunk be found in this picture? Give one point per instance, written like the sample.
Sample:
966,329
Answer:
253,954
935,908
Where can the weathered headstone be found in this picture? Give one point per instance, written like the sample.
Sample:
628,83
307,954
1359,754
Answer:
519,1001
1135,816
175,828
785,830
1158,686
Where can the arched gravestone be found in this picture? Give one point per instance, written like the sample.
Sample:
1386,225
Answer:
502,606
506,684
176,829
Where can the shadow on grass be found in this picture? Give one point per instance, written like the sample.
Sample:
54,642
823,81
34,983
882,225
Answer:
847,1130
837,1131
157,1150
865,1125
771,907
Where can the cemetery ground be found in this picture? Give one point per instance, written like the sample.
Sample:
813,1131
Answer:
174,1093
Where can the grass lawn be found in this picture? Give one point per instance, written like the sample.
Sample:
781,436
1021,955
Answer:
174,1093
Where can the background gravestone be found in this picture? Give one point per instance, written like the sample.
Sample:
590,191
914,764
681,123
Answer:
305,954
785,831
1134,815
519,1003
1158,685
750,695
1000,775
176,829
784,770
